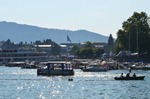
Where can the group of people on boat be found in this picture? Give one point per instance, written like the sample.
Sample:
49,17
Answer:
128,74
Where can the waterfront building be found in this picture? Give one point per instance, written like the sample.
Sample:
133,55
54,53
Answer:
22,54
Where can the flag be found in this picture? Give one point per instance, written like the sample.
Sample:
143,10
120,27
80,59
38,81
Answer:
68,39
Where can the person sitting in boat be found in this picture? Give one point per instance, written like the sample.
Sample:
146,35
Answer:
134,75
129,70
121,75
128,74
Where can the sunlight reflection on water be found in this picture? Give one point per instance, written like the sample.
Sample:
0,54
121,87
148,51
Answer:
25,84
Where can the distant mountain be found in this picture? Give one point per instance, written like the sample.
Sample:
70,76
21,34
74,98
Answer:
27,33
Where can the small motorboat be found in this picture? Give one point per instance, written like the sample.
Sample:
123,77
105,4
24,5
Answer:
130,78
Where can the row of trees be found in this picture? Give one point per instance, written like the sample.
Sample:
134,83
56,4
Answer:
11,45
135,35
55,49
87,51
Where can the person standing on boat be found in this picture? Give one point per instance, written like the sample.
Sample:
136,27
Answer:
121,75
129,70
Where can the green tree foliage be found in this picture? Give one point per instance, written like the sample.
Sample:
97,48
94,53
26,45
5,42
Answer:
38,42
74,50
55,50
88,45
98,52
110,40
87,51
121,42
135,35
111,43
8,45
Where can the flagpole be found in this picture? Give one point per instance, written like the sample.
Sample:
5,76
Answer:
67,46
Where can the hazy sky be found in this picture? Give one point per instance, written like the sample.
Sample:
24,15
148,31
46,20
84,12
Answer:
101,16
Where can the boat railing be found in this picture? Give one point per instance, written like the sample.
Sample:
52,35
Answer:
58,65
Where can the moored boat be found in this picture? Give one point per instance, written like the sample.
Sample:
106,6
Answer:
94,69
15,64
31,65
130,78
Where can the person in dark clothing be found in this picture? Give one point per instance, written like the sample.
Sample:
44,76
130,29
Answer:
121,75
128,74
130,70
134,75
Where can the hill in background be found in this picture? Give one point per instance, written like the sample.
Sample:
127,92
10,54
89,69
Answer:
27,33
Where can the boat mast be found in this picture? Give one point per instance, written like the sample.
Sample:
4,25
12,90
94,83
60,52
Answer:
137,43
129,40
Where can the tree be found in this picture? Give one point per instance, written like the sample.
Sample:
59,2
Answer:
121,41
110,40
135,35
74,50
38,42
86,53
55,50
47,41
8,45
111,43
88,45
98,52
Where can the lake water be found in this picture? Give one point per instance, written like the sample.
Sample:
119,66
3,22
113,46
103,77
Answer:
17,83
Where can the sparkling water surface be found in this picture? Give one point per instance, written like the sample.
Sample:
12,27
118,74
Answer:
17,83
